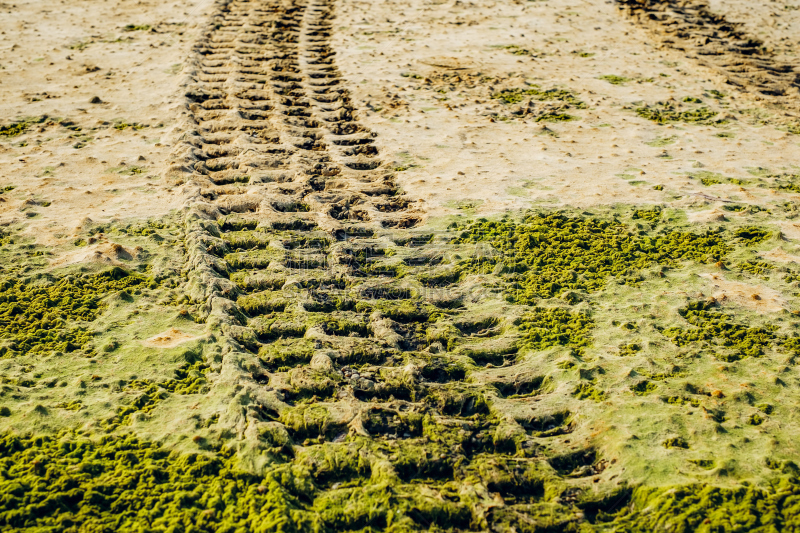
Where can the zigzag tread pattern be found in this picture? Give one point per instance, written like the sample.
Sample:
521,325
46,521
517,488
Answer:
351,350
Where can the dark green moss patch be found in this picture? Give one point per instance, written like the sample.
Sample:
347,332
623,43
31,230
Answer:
44,315
752,235
71,483
544,328
676,442
549,254
729,340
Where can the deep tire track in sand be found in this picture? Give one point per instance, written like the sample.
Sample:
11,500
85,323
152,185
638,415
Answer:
301,246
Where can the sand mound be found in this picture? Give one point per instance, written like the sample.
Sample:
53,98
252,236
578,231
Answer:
168,339
104,252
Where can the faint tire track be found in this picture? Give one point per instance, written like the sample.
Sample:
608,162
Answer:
691,27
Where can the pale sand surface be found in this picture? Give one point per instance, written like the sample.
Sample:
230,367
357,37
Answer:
55,57
457,157
459,154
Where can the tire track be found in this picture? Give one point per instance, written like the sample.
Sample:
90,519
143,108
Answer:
339,318
691,27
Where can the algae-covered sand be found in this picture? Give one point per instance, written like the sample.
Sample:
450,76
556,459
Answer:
332,265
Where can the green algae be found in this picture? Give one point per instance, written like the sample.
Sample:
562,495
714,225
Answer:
662,141
136,27
666,112
755,267
766,408
22,125
14,129
543,328
44,315
552,254
707,508
286,353
189,379
650,215
126,484
555,117
519,51
729,340
752,235
676,442
713,178
121,125
627,350
588,391
515,96
614,79
127,170
414,457
682,400
644,387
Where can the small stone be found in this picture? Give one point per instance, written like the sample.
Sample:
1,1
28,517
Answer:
95,100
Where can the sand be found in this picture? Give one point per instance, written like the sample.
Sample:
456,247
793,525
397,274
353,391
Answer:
280,197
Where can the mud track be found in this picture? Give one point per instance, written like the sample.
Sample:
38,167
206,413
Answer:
690,26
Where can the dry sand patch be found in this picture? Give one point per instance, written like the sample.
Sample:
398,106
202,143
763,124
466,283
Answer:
96,86
168,339
759,298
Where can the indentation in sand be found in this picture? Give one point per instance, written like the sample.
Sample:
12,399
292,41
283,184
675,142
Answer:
452,63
